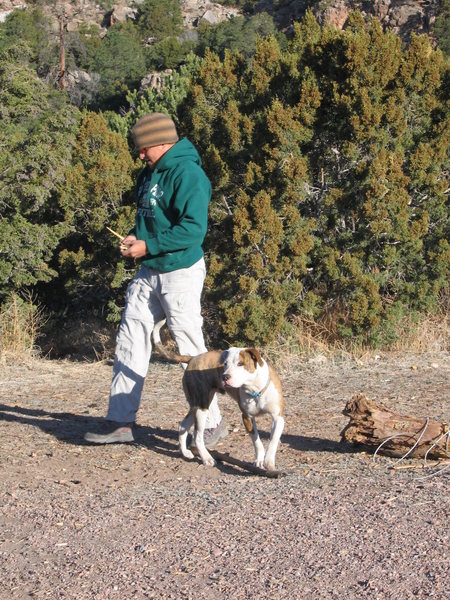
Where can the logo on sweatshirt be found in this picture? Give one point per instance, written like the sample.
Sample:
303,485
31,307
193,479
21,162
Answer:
156,192
149,199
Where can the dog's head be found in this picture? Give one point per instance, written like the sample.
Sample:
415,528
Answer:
240,366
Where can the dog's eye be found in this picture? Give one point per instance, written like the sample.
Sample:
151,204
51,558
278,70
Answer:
240,364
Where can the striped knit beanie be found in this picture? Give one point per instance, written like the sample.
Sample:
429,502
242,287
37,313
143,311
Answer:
153,130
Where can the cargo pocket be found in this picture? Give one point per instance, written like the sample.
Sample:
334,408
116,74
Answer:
181,292
138,298
184,280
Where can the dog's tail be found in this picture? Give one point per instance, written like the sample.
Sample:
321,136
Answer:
168,354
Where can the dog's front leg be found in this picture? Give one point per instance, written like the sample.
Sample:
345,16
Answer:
183,430
250,426
200,422
275,434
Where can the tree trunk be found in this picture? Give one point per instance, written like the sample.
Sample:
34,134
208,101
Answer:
371,425
62,55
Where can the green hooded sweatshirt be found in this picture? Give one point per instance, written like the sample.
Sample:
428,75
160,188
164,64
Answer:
172,209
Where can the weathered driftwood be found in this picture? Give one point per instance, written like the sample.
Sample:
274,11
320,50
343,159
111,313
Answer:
371,425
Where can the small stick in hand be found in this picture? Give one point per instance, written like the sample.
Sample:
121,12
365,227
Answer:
121,237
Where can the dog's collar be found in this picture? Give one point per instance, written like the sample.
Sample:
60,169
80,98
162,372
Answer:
260,393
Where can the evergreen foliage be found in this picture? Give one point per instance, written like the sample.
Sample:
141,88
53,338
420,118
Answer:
238,33
159,19
441,27
33,28
82,47
167,54
328,163
95,195
169,97
328,154
120,63
160,23
36,138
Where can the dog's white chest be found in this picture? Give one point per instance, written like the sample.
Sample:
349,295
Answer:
249,405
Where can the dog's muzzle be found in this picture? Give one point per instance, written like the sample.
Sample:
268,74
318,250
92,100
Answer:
226,378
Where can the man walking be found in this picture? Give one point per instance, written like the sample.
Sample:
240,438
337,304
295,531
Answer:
172,194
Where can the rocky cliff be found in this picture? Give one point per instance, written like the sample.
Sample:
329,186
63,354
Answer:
76,12
402,16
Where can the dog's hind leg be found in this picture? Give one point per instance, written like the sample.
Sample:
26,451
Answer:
275,434
200,422
183,430
250,426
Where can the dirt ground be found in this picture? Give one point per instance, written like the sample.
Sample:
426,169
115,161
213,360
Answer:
138,521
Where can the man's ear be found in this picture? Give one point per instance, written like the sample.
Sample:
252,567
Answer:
254,353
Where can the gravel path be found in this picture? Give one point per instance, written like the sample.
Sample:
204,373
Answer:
137,521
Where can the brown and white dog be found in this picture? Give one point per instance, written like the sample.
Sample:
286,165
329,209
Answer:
245,376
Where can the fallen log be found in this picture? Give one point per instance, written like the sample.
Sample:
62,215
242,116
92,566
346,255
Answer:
375,426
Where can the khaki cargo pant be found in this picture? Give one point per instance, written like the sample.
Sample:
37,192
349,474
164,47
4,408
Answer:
151,296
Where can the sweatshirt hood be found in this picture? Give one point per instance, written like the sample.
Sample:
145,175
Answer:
183,150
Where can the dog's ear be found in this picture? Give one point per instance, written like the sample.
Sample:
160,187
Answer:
223,357
254,353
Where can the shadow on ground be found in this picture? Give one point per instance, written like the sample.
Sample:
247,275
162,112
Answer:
70,428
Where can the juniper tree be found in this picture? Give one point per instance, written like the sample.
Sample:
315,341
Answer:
36,138
96,194
328,161
120,63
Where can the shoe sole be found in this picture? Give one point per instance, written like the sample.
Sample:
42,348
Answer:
112,438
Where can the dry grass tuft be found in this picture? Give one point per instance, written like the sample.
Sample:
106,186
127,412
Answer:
319,341
20,324
310,340
430,334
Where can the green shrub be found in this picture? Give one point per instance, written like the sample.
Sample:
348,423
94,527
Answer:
96,195
36,138
328,162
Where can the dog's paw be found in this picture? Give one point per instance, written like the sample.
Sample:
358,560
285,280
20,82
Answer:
259,463
209,462
269,465
187,454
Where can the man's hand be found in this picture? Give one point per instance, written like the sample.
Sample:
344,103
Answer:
134,248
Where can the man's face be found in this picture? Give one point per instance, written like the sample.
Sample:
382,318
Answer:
151,155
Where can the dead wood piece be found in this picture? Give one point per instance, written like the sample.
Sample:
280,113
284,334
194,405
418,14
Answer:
218,456
372,424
